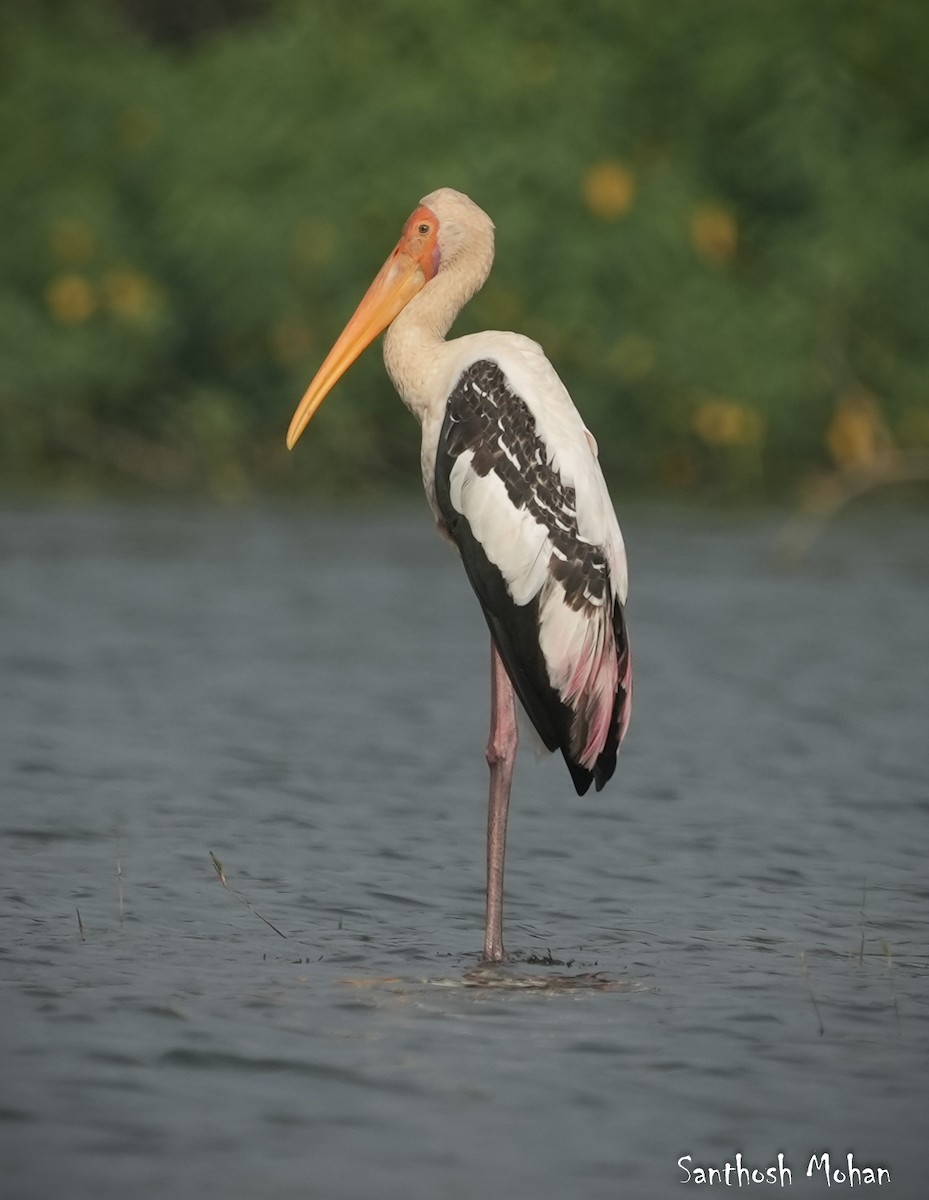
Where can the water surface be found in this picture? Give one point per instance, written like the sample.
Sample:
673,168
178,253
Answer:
305,696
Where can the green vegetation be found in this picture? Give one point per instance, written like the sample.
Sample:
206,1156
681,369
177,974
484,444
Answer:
714,216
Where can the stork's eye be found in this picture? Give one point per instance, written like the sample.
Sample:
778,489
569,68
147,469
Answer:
424,228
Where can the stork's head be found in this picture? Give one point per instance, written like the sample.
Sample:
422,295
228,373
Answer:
463,227
438,233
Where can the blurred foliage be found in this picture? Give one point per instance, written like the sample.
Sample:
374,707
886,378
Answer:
714,216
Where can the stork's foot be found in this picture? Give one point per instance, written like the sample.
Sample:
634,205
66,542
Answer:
493,953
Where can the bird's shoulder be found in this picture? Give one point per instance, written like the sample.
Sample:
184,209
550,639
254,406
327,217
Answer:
517,375
509,415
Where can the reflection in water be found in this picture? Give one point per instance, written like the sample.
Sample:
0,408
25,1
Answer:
724,952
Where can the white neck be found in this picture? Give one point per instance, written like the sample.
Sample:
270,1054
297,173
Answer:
415,346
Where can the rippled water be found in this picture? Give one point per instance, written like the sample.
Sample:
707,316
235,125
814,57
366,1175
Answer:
304,695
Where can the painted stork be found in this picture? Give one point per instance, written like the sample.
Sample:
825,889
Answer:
512,476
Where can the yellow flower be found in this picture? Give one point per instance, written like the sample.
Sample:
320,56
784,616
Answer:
714,234
129,294
609,190
721,422
70,299
856,435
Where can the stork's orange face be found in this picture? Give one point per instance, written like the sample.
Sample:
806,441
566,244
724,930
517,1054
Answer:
419,239
412,263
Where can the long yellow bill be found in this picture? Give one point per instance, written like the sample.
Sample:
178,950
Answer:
412,263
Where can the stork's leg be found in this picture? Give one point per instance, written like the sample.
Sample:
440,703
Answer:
501,758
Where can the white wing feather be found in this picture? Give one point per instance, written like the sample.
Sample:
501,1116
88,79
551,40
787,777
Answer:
511,538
